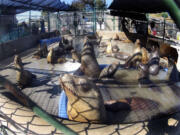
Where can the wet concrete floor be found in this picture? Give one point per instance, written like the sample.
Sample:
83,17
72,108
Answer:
29,123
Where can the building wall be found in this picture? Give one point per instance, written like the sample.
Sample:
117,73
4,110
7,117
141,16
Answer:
6,23
22,44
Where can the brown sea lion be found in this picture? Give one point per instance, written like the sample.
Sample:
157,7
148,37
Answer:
121,56
109,47
89,64
81,107
139,57
51,56
18,60
116,37
137,46
152,67
23,77
109,71
41,53
153,62
86,103
61,60
75,56
60,49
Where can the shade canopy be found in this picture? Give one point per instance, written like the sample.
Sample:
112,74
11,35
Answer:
140,7
143,6
19,6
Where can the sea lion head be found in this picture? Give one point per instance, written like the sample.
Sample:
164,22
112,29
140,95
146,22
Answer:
73,51
138,41
18,61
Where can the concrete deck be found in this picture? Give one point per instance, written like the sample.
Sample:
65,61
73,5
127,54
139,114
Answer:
24,121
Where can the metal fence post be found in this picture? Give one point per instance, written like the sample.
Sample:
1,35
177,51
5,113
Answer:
94,26
114,23
48,22
29,21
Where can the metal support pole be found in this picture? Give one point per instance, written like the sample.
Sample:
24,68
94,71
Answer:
164,29
30,21
173,10
57,22
114,23
94,28
48,22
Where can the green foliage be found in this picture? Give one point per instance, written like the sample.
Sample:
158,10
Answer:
82,4
165,15
100,4
44,14
77,5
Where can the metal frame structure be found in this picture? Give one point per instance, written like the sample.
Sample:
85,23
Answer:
18,6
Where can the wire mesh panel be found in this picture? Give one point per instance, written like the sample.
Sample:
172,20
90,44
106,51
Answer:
164,27
79,23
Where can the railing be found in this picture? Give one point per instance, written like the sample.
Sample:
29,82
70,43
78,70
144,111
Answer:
165,27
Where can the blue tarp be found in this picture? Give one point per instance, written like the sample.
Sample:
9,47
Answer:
63,105
25,5
49,41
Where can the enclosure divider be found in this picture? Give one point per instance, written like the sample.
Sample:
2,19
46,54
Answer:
94,27
173,10
53,122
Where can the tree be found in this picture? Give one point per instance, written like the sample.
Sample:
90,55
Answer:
83,4
77,5
165,15
100,4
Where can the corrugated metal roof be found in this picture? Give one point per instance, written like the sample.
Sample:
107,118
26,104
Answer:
17,6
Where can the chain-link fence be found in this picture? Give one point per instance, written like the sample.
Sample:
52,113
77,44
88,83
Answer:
164,27
12,28
81,23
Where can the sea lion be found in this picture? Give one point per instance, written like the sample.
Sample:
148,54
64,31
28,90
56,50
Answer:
116,37
89,64
153,63
41,53
109,47
137,46
65,41
23,77
143,72
86,104
121,56
68,48
145,58
137,58
152,67
163,62
18,60
60,50
80,106
115,49
51,56
75,56
61,60
109,71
